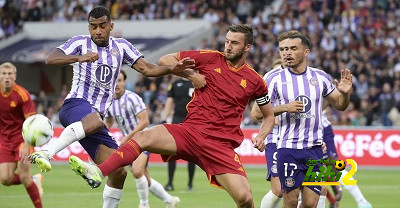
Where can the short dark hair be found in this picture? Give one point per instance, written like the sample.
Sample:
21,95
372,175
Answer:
99,11
246,29
123,74
304,40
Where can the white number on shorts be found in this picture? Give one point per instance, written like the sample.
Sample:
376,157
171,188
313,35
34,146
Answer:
292,170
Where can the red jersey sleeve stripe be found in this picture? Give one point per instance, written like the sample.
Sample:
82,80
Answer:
212,51
193,96
179,56
22,93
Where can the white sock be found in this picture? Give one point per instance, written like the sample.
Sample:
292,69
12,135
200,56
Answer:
321,202
111,197
142,187
299,200
73,132
158,190
354,191
270,200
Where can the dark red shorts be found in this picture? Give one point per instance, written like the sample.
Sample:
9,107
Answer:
11,153
214,155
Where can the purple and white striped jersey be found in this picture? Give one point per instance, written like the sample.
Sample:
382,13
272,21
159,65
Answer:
304,129
95,81
324,120
273,136
125,110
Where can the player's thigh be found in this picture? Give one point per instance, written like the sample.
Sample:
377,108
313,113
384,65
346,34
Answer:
156,139
290,198
103,152
309,197
7,170
236,185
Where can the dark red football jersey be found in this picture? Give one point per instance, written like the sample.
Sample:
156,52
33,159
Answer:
217,109
14,107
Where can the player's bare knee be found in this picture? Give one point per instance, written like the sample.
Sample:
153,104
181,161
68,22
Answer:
6,181
137,172
244,199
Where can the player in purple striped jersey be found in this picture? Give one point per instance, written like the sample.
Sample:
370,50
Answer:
300,133
274,196
129,110
96,60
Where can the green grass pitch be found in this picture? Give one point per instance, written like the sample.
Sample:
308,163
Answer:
64,189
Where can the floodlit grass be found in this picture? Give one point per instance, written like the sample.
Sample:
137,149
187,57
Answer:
64,189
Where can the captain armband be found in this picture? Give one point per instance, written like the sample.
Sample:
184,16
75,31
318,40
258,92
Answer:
262,100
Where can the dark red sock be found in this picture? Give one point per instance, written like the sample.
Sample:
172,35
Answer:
15,180
122,157
330,197
34,194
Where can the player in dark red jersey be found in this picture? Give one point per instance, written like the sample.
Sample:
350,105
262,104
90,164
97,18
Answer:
211,129
15,106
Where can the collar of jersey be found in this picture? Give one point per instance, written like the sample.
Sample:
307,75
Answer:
232,68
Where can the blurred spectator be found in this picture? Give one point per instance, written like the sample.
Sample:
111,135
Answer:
387,102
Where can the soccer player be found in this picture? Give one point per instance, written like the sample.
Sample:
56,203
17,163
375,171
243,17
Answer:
96,60
354,190
211,129
129,110
15,106
274,196
179,94
300,133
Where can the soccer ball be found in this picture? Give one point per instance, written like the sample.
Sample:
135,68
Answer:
37,130
340,165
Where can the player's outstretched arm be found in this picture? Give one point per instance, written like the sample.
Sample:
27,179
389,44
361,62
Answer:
197,79
58,58
153,70
340,97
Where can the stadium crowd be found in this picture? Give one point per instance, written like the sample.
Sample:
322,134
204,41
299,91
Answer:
361,35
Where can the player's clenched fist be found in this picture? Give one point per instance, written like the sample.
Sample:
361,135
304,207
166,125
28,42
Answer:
89,57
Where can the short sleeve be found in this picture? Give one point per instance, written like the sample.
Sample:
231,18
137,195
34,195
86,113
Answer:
201,57
73,46
328,86
137,103
131,54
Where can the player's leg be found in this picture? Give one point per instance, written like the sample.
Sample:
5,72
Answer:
322,197
158,190
310,198
112,192
156,139
80,119
142,185
7,174
171,172
24,170
8,164
355,192
238,188
191,168
274,196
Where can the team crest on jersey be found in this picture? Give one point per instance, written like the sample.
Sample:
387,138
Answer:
306,102
114,52
123,106
313,81
243,83
104,74
12,104
289,182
